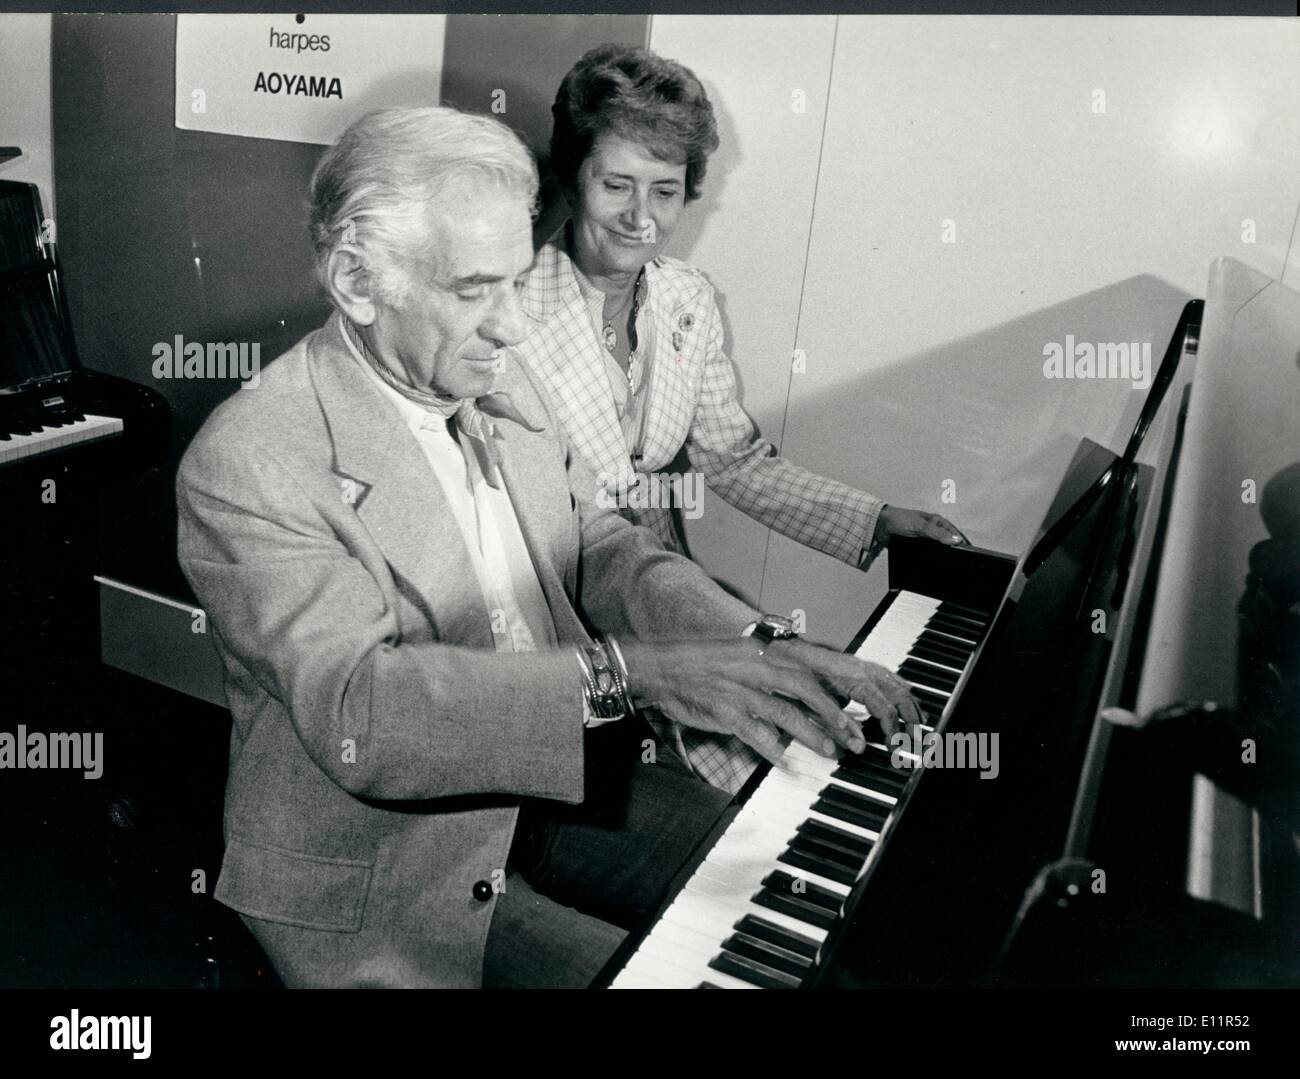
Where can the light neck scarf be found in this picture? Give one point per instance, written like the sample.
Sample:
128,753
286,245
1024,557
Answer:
467,418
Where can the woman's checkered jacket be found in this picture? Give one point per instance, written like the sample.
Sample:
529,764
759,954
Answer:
691,402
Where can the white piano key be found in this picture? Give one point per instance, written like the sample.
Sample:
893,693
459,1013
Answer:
687,944
48,439
803,760
688,911
632,978
843,825
785,820
809,796
681,974
913,601
692,905
649,973
731,902
942,664
813,782
738,867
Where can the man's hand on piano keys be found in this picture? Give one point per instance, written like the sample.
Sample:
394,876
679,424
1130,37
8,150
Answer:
886,696
731,688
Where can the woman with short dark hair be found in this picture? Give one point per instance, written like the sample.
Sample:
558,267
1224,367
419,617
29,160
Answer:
630,344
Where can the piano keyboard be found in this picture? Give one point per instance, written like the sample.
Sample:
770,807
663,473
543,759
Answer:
24,438
755,912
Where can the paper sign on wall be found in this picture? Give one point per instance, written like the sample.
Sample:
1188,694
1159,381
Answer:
301,78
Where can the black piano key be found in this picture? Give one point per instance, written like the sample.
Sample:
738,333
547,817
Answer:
768,954
793,906
860,803
934,655
938,678
816,862
707,985
960,636
873,754
831,852
932,713
956,610
930,697
888,781
781,881
869,762
933,697
953,629
837,837
947,645
916,670
980,618
754,926
963,644
754,973
871,821
946,611
919,670
31,417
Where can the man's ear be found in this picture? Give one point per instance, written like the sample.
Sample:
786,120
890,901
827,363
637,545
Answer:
350,285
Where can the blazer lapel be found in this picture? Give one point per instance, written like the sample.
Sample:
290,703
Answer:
383,473
565,352
679,324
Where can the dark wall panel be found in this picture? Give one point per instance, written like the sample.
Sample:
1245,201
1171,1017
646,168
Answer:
165,232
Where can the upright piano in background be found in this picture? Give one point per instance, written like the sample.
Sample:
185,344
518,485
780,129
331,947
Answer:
67,435
1140,666
90,889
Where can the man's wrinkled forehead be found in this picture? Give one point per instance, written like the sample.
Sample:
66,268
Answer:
483,235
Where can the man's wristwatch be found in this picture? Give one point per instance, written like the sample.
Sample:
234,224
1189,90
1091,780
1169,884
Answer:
769,628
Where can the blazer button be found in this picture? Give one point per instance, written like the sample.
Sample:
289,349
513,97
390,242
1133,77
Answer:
482,891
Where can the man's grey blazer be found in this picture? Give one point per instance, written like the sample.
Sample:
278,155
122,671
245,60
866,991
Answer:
380,744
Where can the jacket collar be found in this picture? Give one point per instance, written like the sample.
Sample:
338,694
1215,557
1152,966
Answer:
382,471
552,283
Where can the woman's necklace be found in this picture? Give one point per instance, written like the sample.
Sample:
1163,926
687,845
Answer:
610,333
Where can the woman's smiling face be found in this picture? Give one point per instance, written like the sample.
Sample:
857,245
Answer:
628,203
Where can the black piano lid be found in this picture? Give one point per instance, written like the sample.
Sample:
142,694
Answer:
1035,643
1102,465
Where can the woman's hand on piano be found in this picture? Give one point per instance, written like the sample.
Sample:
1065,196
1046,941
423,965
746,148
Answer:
731,688
887,697
894,521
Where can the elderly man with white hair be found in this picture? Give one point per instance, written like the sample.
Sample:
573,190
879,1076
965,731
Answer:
438,776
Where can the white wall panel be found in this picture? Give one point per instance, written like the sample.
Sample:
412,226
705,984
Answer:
924,357
25,101
749,231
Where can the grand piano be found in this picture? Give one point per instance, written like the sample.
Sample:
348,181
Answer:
1126,695
67,433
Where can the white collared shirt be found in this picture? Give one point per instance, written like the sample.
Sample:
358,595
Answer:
520,617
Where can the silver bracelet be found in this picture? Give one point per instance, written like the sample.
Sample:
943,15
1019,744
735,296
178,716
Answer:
600,683
622,677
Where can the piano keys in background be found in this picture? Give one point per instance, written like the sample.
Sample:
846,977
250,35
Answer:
67,436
